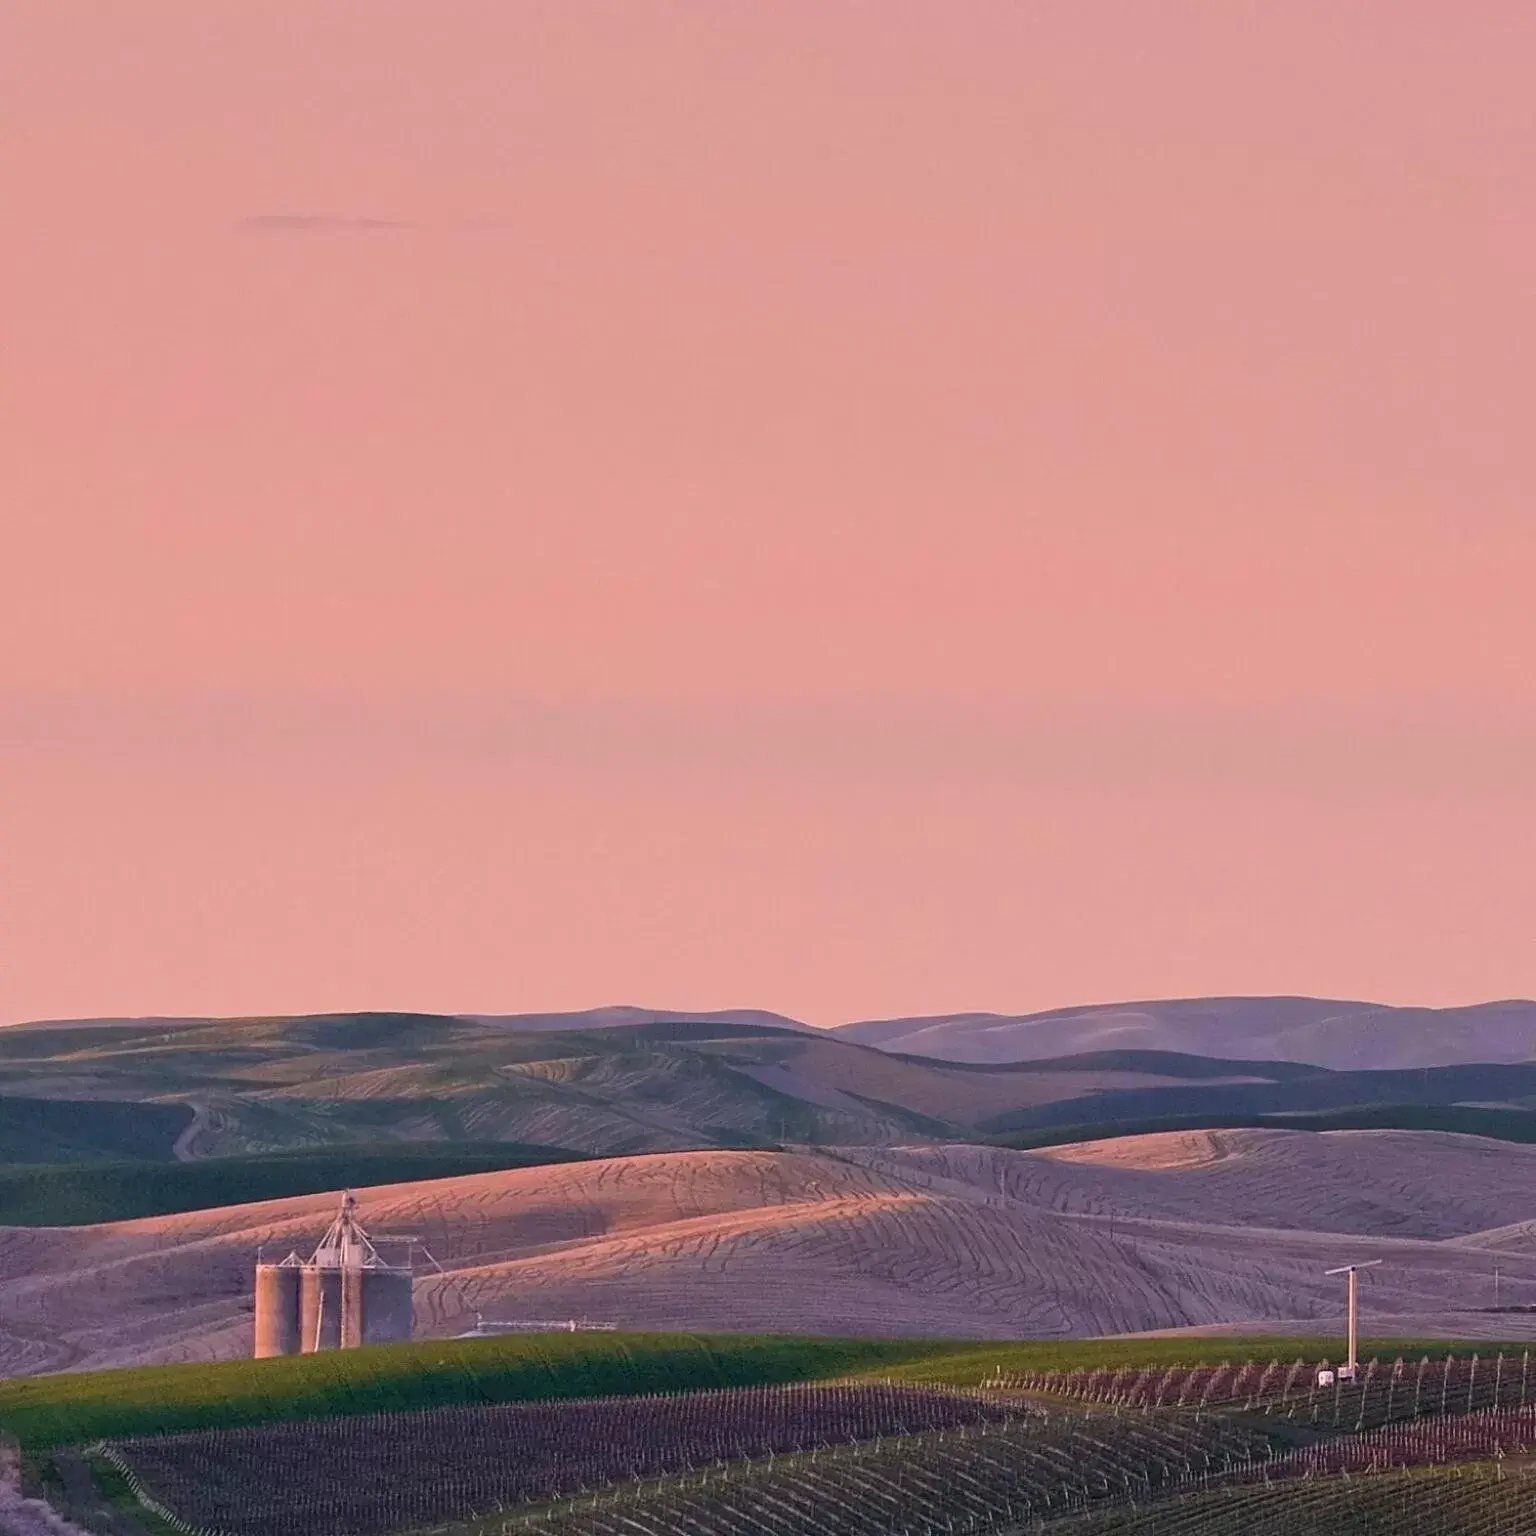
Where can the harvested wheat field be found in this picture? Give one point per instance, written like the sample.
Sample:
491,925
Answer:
1151,1233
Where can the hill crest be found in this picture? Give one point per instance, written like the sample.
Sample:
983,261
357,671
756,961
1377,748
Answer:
1341,1035
1336,1033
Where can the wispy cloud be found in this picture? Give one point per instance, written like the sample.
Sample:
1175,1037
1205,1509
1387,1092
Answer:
318,224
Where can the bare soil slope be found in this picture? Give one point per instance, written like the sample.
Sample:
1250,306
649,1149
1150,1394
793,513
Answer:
960,1241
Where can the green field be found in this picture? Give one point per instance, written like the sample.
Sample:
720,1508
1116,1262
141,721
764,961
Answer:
70,1409
79,1194
47,1130
45,1411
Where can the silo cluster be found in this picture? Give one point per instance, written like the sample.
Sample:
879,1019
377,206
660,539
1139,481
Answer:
343,1296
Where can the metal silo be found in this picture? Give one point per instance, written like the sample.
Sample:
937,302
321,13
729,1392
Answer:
277,1308
352,1306
344,1296
320,1308
387,1305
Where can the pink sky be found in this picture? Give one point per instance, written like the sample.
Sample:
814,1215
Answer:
852,508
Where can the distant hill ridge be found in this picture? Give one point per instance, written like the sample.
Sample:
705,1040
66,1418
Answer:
1324,1032
611,1017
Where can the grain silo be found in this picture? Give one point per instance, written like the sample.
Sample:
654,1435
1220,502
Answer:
320,1309
387,1305
277,1307
345,1295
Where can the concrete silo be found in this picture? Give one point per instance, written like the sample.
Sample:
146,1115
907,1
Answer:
387,1305
277,1308
320,1308
345,1295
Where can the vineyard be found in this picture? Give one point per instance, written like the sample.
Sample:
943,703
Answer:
1483,1500
1431,1444
1491,1435
346,1474
871,1454
1005,1480
1386,1392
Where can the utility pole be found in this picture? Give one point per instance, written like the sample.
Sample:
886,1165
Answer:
1352,1366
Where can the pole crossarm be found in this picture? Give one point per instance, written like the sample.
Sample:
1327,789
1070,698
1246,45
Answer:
1352,1365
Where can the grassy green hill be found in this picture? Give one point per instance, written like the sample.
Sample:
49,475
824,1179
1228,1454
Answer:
77,1194
64,1130
1177,1064
1507,1084
43,1412
46,1411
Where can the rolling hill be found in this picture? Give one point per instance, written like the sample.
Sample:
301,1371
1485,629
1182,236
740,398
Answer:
1341,1034
1323,1032
946,1241
79,1194
83,1103
577,1018
193,1089
1510,1086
